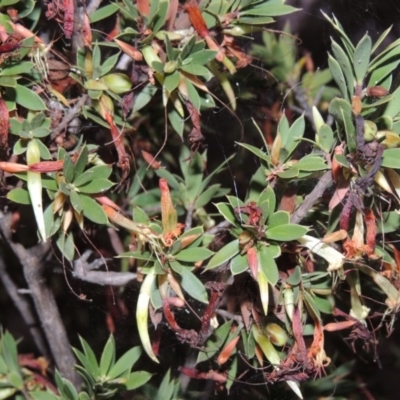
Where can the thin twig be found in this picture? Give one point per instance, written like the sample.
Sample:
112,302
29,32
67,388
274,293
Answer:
45,304
222,226
83,270
312,198
72,113
23,307
189,217
93,6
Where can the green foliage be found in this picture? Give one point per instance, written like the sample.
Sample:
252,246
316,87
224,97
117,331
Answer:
102,380
106,378
186,245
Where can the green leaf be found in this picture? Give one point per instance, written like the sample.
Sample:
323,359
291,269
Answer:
295,278
196,69
171,81
41,132
256,151
310,304
144,97
3,365
235,202
267,196
268,9
323,304
9,82
338,76
76,201
188,48
291,172
16,380
193,94
286,232
342,160
340,109
311,163
380,74
103,13
207,195
266,257
90,360
99,185
158,14
325,138
99,171
68,390
93,211
393,107
190,283
296,132
95,95
362,54
171,179
65,243
215,342
345,66
81,162
232,372
256,20
227,213
391,158
202,57
17,69
389,54
44,151
68,168
44,396
10,352
137,379
108,356
223,255
19,195
278,218
239,264
109,64
125,363
193,254
38,120
15,126
166,389
171,54
176,121
27,98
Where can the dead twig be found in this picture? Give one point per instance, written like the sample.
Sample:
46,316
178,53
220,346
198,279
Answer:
84,271
312,198
72,113
23,307
45,303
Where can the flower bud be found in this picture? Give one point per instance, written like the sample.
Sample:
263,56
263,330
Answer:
276,334
376,91
118,83
370,130
170,67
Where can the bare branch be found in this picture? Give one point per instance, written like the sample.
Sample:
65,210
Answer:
312,198
84,271
45,304
72,113
23,307
93,6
